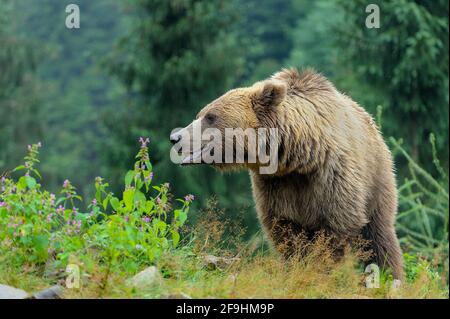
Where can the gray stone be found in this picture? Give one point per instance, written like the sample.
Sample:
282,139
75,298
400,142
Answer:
146,278
179,295
54,292
8,292
213,262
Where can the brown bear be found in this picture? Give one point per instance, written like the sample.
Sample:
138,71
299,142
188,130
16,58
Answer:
334,171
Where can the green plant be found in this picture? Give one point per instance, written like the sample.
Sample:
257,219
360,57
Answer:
424,209
126,232
415,266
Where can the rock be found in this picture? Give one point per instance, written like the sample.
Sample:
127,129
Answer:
396,284
179,295
8,292
213,262
54,292
146,278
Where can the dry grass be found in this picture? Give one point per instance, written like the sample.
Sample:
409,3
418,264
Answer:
315,276
264,276
259,272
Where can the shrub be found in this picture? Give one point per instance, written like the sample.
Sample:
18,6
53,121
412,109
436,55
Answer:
127,232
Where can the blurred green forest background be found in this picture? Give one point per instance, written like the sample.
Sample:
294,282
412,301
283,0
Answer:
144,67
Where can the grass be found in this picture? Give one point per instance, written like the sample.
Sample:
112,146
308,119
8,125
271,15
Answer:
259,272
260,276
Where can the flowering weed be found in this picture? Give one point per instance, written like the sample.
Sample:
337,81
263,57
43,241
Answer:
126,232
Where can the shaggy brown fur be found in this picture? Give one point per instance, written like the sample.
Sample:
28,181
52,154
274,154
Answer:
335,173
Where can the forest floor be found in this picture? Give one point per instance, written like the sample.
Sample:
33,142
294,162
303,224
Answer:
186,273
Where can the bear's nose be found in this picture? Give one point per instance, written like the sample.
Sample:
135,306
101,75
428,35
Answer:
175,138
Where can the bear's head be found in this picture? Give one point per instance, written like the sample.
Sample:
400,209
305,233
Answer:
237,130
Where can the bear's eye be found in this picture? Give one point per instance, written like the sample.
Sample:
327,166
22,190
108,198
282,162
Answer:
210,118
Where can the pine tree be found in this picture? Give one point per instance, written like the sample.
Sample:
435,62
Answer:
178,56
406,62
20,114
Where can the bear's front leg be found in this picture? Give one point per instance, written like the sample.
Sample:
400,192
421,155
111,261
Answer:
286,235
294,241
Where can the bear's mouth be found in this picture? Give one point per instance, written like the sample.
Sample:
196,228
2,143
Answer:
195,157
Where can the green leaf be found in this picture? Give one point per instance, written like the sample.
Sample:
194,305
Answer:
139,197
175,238
36,172
30,181
105,202
129,178
149,166
40,243
115,203
21,184
18,168
161,226
139,184
98,196
182,217
149,206
128,197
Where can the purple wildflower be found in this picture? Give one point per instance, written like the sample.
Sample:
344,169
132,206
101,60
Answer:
52,199
149,178
94,202
189,198
144,141
126,218
66,183
146,219
60,209
2,204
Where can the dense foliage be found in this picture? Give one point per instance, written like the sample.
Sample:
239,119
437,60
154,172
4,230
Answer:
408,67
126,232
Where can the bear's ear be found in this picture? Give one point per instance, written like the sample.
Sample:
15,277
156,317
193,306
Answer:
269,93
